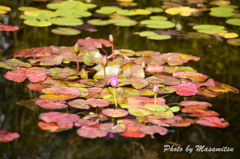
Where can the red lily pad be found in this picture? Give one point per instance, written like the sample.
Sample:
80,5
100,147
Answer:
8,28
199,112
213,122
109,127
186,89
92,44
190,75
35,87
91,133
81,104
59,93
35,74
6,136
54,127
195,104
141,101
210,82
99,102
50,104
16,75
133,70
133,132
59,118
115,113
82,122
150,130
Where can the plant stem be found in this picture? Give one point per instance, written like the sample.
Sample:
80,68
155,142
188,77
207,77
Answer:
155,102
115,99
77,64
105,78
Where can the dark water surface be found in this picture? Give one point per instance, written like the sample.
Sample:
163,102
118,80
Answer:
219,60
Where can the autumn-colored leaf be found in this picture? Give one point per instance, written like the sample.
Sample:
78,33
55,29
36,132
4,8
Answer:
133,70
213,122
35,87
190,75
195,104
51,104
133,132
151,130
222,88
186,89
8,28
207,93
199,112
6,136
115,112
154,69
16,75
141,101
35,74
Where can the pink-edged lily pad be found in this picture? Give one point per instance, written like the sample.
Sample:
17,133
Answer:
163,79
195,104
91,132
115,113
150,130
186,89
16,75
203,91
82,122
110,127
6,136
35,74
213,122
154,69
51,104
186,57
172,59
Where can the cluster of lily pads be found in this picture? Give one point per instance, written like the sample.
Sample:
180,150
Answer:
119,92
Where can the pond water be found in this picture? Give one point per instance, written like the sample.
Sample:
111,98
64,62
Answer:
219,60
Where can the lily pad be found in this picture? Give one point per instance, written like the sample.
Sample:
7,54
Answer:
51,104
8,28
209,29
133,132
98,22
123,22
16,75
154,36
139,112
91,132
213,122
186,89
154,9
115,113
190,75
37,23
158,24
133,70
233,21
66,21
65,31
235,42
195,104
6,136
151,130
110,127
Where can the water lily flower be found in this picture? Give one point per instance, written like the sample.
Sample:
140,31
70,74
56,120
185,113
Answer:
76,49
114,81
104,61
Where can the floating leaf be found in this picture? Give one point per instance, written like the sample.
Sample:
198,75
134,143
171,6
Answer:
114,70
35,74
82,122
213,122
109,127
98,22
154,9
154,69
51,127
37,23
66,21
133,132
59,118
4,9
222,88
162,79
123,22
107,10
65,31
61,72
209,29
158,24
8,28
35,87
139,112
115,113
154,36
186,89
235,42
141,11
207,93
51,104
190,75
183,11
233,21
6,136
91,132
16,75
195,104
199,112
72,13
81,104
141,101
222,11
27,8
151,130
133,70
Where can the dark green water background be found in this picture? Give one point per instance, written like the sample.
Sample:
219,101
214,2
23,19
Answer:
219,60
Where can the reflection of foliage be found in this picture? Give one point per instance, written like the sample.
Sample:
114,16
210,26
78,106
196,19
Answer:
65,84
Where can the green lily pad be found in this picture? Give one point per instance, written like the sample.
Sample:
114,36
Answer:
161,108
221,12
15,63
74,13
92,57
107,10
98,22
175,108
66,21
164,114
114,70
65,31
158,24
154,9
141,11
123,22
62,72
154,36
128,4
37,23
234,21
25,8
158,17
140,112
166,90
125,12
209,29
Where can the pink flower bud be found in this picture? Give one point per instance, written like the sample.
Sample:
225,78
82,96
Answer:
104,61
111,38
114,81
155,89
